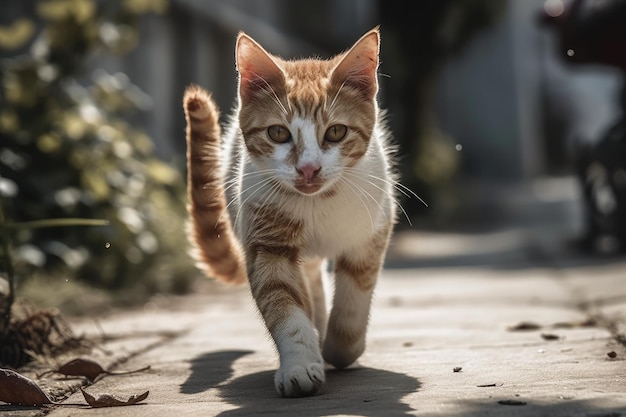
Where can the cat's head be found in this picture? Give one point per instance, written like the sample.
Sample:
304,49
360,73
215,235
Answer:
306,121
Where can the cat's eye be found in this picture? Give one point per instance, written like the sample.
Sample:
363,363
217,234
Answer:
279,134
335,133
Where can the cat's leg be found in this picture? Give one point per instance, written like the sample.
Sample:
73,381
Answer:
276,284
314,270
356,273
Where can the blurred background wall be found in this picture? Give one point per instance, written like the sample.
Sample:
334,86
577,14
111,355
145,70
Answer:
483,73
487,114
476,90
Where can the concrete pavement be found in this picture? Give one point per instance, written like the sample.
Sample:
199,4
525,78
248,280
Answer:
209,354
445,302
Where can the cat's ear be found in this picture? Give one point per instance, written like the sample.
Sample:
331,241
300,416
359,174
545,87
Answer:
257,69
358,66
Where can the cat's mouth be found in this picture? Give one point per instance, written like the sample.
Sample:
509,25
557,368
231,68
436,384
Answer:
308,187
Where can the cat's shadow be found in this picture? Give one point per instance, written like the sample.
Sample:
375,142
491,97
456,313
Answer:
353,391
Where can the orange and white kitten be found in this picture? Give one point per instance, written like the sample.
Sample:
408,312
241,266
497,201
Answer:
302,175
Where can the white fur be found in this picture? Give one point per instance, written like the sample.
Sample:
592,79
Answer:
301,364
305,130
362,204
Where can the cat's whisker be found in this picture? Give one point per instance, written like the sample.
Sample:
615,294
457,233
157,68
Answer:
250,175
270,192
236,180
332,103
400,187
226,211
253,189
273,92
273,190
359,194
375,200
392,183
406,191
253,186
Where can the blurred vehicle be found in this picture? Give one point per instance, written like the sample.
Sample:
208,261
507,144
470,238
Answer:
593,32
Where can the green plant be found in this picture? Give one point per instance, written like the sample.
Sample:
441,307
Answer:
70,149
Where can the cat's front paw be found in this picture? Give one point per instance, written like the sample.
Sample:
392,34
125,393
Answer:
298,380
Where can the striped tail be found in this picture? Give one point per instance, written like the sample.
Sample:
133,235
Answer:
215,247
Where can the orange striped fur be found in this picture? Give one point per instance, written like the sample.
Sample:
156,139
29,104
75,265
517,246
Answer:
302,174
216,249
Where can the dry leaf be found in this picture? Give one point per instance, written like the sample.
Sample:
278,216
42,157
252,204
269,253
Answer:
457,369
87,368
107,400
17,389
78,367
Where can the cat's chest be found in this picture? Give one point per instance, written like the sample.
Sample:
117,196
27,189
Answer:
337,224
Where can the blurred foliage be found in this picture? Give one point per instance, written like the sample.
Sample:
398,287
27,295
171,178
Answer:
68,148
418,43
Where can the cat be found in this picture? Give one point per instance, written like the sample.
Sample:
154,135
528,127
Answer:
303,176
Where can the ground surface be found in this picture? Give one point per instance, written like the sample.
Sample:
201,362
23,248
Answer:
444,302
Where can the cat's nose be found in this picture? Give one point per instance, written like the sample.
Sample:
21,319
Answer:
308,171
